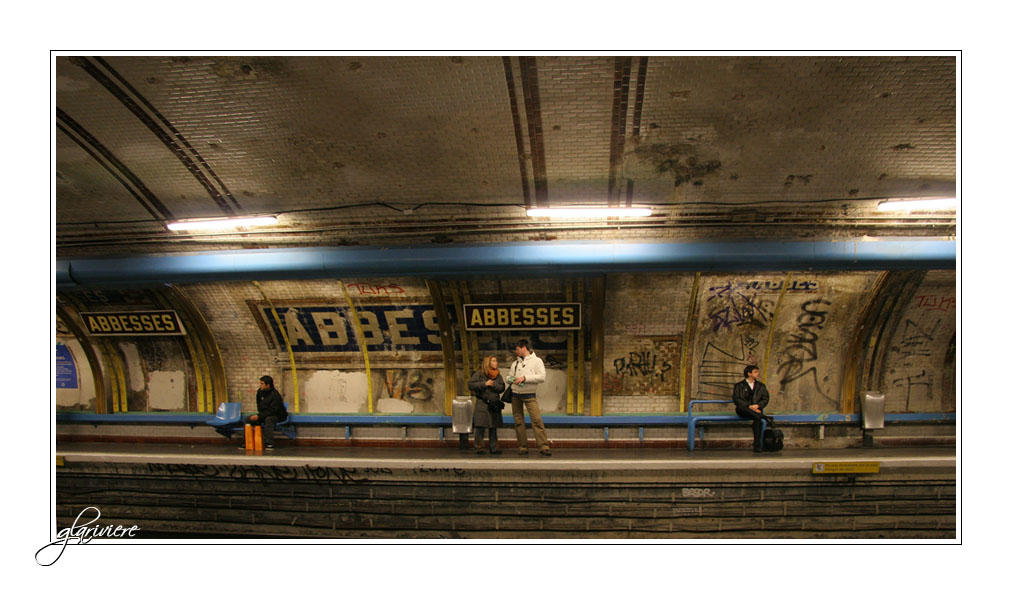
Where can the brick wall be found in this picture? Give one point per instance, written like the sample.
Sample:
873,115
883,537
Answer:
796,326
180,500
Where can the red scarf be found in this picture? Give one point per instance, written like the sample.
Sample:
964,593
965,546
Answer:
493,373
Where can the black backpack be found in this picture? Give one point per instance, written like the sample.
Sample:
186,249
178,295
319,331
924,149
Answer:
773,440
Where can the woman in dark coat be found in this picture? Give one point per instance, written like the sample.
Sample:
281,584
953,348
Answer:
487,384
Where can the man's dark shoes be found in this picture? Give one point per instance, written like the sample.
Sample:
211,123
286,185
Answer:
495,452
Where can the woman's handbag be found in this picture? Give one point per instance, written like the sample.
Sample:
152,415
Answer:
507,396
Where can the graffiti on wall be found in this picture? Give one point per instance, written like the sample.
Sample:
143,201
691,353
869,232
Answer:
408,384
937,303
645,371
643,364
741,303
915,381
917,338
372,289
918,385
795,285
730,306
920,366
307,473
719,370
800,356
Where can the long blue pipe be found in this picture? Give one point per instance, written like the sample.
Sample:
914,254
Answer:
532,259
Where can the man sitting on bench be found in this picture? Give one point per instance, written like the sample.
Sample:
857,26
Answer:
270,410
750,398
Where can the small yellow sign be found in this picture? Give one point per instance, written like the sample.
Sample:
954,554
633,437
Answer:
59,461
524,316
846,467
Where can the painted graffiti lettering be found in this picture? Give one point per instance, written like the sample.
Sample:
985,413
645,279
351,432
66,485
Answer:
916,339
719,370
267,472
641,363
440,470
408,384
736,308
922,380
369,289
936,302
802,345
698,493
794,285
345,475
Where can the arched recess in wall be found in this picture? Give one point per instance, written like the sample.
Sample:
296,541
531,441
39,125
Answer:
129,371
949,376
92,358
203,348
106,363
446,339
877,324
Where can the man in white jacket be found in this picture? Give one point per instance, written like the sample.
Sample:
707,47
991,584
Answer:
527,372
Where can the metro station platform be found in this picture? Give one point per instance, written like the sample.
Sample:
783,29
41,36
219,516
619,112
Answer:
590,459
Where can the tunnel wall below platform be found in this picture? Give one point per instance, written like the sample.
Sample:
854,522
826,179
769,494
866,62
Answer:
733,500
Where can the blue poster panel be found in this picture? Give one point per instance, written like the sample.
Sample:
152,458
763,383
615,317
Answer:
66,370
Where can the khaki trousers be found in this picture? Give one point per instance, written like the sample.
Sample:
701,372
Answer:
534,410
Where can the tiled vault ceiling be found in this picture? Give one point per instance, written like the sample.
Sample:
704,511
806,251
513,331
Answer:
374,150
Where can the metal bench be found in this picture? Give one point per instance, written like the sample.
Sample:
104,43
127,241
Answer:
443,422
695,419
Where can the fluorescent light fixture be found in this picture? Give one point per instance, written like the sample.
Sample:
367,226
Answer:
920,204
224,223
589,212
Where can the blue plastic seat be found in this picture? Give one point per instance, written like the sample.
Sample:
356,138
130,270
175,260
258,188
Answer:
286,427
227,415
228,419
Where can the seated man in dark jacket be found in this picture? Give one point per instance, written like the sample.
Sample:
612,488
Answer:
750,398
270,409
